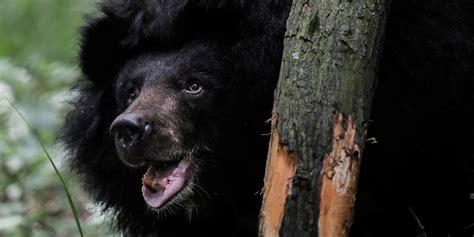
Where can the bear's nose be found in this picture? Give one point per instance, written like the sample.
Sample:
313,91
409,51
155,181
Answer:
128,129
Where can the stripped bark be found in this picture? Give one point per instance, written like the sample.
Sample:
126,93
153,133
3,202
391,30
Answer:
280,169
322,103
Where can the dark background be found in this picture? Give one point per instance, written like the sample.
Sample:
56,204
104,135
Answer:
422,166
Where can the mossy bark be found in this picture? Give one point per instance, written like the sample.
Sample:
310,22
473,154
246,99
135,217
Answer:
322,105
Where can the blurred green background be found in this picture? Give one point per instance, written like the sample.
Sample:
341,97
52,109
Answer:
38,44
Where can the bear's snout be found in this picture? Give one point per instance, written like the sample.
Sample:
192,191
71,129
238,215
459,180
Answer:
128,131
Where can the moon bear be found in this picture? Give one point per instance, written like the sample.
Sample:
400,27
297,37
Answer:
168,129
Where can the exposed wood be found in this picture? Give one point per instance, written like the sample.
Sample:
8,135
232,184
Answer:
281,167
339,180
322,103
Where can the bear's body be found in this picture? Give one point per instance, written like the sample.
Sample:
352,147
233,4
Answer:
168,130
181,92
425,87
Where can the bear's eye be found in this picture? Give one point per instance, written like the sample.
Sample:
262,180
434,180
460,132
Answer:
132,94
193,88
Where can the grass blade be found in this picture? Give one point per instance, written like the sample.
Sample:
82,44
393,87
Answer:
66,190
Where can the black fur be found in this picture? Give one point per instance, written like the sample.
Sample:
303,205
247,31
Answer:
425,89
235,46
234,52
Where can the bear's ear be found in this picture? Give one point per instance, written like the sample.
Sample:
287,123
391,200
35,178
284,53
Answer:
123,27
102,52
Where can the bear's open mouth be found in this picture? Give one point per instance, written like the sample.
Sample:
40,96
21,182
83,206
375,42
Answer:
163,181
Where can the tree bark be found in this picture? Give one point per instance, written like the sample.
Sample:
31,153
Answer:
322,105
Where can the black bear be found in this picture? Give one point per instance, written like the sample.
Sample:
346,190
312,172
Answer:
168,128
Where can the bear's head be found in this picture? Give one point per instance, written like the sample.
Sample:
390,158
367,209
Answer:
170,107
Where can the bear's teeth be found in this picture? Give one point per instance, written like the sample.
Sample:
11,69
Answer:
162,184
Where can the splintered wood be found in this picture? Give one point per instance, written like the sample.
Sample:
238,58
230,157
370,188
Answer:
281,167
339,180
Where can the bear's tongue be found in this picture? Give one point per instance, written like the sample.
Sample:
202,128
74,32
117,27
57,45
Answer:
161,184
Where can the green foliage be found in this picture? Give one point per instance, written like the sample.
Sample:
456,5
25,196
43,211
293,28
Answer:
46,28
38,40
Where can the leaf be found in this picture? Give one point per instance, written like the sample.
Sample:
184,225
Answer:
66,190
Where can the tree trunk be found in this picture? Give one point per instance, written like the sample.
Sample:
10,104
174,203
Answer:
321,109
